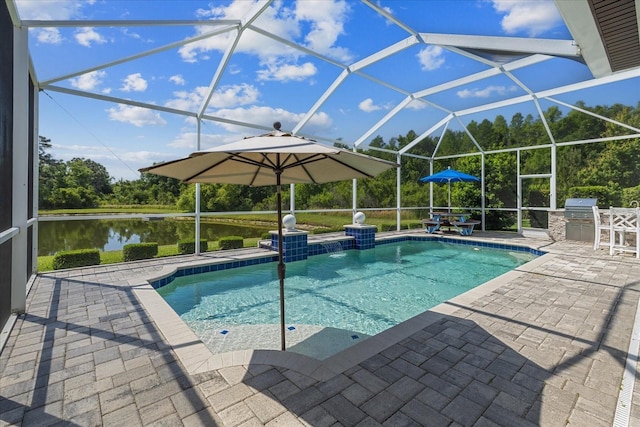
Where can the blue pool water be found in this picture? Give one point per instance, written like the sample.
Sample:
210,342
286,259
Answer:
346,296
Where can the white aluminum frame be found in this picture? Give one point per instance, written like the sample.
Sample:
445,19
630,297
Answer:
536,51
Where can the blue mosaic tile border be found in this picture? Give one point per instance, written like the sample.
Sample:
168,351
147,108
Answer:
319,249
188,271
465,242
294,248
365,237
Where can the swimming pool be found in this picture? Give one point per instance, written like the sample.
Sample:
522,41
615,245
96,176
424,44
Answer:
332,301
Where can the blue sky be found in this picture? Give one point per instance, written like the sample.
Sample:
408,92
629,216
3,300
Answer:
265,81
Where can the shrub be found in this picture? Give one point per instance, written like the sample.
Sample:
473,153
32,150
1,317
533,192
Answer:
77,258
630,195
189,246
231,242
265,236
607,196
389,226
136,251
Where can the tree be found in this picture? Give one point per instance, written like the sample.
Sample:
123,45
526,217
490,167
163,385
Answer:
51,174
161,190
88,174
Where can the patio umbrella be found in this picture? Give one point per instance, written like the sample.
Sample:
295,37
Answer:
274,158
449,175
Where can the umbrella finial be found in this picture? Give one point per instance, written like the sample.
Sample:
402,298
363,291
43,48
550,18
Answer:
277,125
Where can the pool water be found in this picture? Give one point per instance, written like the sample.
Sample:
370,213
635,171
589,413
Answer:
340,299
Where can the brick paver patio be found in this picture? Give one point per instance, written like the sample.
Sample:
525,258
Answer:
546,346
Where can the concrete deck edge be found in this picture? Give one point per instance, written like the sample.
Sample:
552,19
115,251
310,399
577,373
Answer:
197,357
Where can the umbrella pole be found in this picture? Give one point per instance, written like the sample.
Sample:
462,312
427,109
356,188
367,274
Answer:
449,196
281,266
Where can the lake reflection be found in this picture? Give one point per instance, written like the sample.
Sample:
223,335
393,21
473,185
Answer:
113,234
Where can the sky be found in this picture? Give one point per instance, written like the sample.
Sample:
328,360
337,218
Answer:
266,80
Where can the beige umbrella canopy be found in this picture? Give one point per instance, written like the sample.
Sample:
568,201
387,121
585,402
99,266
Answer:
274,158
265,159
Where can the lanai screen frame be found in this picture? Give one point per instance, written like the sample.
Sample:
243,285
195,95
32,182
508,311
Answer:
489,50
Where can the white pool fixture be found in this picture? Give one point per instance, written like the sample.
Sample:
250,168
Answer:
289,222
359,218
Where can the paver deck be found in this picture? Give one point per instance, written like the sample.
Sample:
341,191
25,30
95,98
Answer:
545,345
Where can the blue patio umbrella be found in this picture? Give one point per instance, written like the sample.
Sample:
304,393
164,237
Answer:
448,176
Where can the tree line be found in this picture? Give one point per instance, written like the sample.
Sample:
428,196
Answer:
607,170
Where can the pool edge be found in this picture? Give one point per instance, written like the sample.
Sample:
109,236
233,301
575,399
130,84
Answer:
198,358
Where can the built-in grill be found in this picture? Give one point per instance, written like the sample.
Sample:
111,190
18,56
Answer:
579,219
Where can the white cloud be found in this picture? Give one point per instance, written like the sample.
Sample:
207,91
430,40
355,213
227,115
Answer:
531,17
144,158
234,95
136,36
135,83
90,151
136,116
88,81
318,124
48,35
368,106
48,10
486,92
226,97
431,58
188,140
416,104
287,72
86,36
324,18
187,101
177,79
120,164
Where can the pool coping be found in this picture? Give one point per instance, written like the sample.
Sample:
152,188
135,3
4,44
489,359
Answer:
198,358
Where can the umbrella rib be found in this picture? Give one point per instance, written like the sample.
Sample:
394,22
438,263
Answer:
205,169
351,167
152,167
303,166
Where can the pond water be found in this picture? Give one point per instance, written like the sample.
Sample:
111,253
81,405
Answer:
113,234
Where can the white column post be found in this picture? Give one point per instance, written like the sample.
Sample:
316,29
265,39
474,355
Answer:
36,180
519,192
292,199
483,194
553,195
20,169
354,195
431,185
197,210
398,192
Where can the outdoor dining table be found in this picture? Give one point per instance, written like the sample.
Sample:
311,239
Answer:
450,219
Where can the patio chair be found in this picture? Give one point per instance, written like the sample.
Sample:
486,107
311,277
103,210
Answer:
600,225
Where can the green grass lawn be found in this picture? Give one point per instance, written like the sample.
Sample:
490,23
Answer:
332,220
